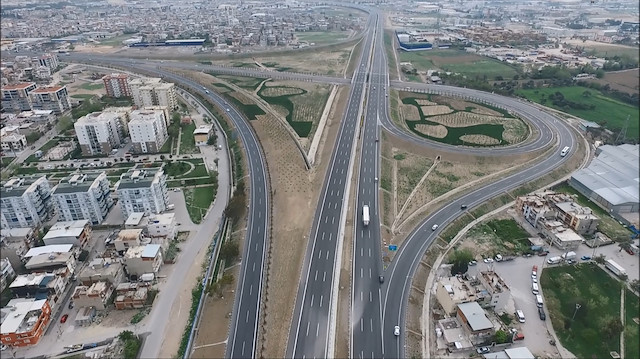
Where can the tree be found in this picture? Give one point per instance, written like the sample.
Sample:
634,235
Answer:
625,244
612,328
460,259
635,285
501,337
600,259
229,251
235,208
175,117
211,141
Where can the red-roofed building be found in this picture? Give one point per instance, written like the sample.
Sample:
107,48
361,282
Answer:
15,97
55,98
117,85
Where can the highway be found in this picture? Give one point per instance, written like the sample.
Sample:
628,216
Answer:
311,332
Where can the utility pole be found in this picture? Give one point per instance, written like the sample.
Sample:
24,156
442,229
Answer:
578,306
623,132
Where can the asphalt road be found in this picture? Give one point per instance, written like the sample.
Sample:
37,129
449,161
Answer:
311,331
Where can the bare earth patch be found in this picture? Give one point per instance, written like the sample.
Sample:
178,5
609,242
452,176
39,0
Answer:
480,139
437,131
487,111
464,119
425,102
409,112
435,110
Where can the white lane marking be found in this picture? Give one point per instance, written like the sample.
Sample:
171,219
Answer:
312,297
316,276
308,323
321,298
324,276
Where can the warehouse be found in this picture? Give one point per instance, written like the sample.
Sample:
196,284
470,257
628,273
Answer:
611,180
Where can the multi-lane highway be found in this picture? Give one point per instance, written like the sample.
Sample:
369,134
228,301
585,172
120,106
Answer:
311,331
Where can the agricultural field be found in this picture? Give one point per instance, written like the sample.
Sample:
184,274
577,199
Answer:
459,122
588,104
591,331
322,37
300,103
602,49
624,81
457,61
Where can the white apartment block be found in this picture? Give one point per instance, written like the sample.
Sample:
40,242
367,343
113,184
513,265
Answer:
55,98
15,97
148,130
99,132
25,202
143,191
153,92
83,196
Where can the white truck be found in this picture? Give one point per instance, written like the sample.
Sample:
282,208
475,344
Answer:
569,255
614,267
365,215
554,260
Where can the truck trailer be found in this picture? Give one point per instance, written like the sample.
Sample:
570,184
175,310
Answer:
615,267
365,215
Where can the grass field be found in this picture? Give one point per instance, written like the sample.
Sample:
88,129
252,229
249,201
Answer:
91,87
321,37
187,141
116,41
611,112
505,234
198,201
599,297
457,61
631,328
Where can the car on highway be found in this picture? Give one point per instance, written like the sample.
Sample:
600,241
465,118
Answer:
585,258
64,318
435,226
541,314
228,110
381,279
463,206
396,330
483,350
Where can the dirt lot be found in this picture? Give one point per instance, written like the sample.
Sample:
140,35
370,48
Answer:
624,81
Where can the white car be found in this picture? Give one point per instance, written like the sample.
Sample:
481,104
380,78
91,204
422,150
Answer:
534,279
435,226
488,260
396,330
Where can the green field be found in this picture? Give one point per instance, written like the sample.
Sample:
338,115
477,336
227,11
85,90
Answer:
116,41
91,87
631,328
598,295
457,61
321,37
607,111
187,141
198,201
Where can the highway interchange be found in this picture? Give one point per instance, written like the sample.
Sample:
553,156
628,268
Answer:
376,308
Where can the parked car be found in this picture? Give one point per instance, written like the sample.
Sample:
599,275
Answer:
571,261
543,253
630,251
541,314
64,318
488,260
472,263
585,258
518,336
482,350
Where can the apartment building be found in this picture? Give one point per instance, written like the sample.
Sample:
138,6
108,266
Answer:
25,202
117,85
16,98
8,274
99,132
83,196
153,92
55,98
158,225
24,321
49,61
102,269
12,140
499,292
580,219
143,190
148,130
76,233
143,259
131,295
96,295
50,285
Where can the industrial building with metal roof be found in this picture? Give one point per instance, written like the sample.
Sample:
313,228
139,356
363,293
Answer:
612,178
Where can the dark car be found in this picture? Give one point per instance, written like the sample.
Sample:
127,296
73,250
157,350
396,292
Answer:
585,258
543,253
381,279
541,314
463,206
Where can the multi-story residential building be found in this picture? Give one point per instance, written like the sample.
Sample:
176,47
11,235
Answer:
49,61
499,292
49,285
117,85
25,202
580,219
24,321
96,295
99,132
83,196
452,291
153,92
15,97
101,269
55,98
12,140
143,190
76,233
131,295
128,238
143,259
15,243
148,130
8,274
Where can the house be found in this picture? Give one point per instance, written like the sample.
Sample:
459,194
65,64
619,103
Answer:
24,321
76,233
143,259
128,238
48,285
511,353
15,243
499,292
96,295
102,269
202,134
85,316
51,257
131,295
452,291
453,338
475,321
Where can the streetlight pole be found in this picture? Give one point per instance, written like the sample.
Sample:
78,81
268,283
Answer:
576,311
